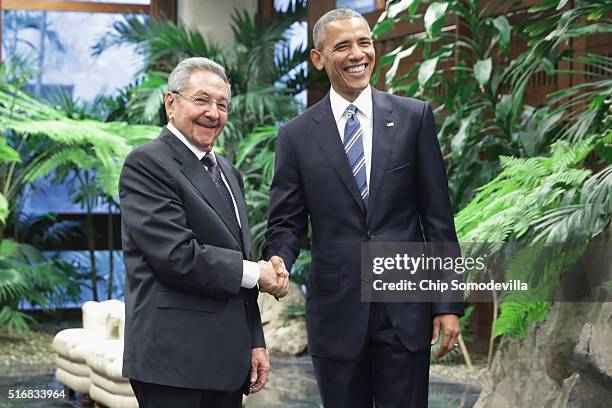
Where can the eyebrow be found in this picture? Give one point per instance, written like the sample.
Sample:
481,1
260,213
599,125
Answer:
198,93
345,42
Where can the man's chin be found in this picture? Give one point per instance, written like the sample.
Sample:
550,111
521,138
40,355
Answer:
204,141
358,87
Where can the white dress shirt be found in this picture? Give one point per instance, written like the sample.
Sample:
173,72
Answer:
250,270
364,115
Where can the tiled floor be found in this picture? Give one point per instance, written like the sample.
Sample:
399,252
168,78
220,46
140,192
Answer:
291,385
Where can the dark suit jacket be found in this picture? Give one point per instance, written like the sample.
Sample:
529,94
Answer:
188,322
408,202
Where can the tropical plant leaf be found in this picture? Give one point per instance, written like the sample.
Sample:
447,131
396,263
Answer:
426,70
504,30
4,209
482,71
17,322
434,16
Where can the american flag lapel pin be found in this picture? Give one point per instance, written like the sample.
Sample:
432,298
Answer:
390,124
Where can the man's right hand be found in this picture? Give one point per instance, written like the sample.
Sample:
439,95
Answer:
273,277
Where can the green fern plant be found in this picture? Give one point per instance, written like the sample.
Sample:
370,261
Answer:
25,275
529,195
525,188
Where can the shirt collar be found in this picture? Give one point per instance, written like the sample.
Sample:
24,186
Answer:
363,103
195,149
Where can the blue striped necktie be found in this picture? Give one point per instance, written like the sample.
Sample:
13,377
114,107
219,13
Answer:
353,146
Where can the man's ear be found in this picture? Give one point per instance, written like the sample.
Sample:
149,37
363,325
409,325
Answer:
169,102
317,59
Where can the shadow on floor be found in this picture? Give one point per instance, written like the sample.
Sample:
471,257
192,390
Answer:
291,385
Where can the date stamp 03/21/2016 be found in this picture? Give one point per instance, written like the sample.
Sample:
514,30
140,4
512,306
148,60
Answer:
36,394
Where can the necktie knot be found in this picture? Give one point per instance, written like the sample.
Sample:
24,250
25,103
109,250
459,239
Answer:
208,160
351,110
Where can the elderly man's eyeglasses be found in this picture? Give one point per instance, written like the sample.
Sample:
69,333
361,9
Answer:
205,101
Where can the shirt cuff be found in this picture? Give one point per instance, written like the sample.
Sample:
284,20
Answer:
250,274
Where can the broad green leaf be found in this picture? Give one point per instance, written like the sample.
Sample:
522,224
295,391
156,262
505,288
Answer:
504,31
396,62
426,70
384,61
4,209
561,4
435,12
409,90
403,5
382,28
7,153
382,17
503,108
459,140
482,71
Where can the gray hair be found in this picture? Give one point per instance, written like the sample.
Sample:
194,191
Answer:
330,17
179,77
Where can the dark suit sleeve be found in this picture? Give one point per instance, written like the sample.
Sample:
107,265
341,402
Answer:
257,333
436,213
288,216
152,211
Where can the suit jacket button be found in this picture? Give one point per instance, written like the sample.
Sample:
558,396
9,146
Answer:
367,278
370,235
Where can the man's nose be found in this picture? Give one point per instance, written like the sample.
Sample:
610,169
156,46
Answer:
212,112
356,53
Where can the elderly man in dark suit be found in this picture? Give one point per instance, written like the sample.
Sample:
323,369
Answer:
193,334
362,166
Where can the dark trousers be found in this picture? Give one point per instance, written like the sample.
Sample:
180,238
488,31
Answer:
164,396
384,374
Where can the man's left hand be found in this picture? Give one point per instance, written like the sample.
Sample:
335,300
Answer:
260,368
448,324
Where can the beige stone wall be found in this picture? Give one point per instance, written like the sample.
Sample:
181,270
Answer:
212,17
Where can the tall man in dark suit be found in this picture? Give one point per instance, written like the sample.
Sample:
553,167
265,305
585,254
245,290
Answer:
193,334
364,166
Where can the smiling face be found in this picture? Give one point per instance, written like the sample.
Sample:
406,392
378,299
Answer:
200,125
347,55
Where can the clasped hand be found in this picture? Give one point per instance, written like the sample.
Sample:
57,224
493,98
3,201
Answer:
273,277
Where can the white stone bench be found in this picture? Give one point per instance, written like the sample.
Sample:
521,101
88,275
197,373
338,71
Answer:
90,359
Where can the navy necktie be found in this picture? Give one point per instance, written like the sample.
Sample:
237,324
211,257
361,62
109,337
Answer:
215,173
353,146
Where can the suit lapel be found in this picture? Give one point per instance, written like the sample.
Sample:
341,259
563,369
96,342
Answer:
197,175
240,203
326,134
382,142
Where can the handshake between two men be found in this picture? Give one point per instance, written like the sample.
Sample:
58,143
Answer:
273,277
